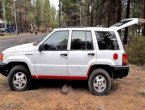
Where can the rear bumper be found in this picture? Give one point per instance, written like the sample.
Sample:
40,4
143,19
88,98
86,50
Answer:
3,69
120,71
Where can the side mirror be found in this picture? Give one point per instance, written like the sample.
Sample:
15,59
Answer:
40,48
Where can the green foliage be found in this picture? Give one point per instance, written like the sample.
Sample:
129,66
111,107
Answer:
29,13
38,12
71,11
136,8
53,22
46,13
136,50
8,11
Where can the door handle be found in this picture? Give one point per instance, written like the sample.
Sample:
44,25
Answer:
91,54
63,54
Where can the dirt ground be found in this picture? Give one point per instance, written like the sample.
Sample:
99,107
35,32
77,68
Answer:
126,94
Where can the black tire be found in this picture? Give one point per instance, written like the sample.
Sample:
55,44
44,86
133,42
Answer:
16,70
97,73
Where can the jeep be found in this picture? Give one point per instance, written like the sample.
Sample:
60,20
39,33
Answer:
95,54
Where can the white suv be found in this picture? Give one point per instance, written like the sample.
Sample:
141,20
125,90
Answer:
92,53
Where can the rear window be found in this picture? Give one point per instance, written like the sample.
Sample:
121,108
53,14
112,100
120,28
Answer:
107,40
121,23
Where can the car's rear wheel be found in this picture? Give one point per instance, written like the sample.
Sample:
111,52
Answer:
99,82
19,78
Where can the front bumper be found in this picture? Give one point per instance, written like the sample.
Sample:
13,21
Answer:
120,71
3,69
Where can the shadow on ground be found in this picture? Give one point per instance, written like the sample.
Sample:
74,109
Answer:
55,84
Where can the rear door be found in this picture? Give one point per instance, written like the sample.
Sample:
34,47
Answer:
108,46
127,22
81,52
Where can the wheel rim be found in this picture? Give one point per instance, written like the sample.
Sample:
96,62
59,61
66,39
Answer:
99,83
19,80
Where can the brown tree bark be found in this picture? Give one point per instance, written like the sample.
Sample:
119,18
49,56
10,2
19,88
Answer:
88,13
143,33
126,29
109,10
119,10
1,10
92,8
113,11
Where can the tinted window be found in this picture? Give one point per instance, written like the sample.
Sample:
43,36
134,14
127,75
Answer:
57,41
121,23
107,40
89,41
81,40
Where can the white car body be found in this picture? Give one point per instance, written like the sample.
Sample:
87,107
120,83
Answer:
95,54
50,63
77,63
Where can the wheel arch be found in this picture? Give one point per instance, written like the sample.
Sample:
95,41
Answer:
10,65
108,68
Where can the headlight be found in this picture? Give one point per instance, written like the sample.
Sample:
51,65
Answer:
1,57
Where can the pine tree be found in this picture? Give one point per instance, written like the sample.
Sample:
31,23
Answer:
9,13
46,14
1,10
38,13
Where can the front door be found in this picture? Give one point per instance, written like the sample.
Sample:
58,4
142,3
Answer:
52,60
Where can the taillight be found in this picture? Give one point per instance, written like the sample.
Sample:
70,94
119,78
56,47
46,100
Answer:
115,56
125,59
1,57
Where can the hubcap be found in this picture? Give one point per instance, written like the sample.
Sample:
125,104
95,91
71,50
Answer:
99,83
19,80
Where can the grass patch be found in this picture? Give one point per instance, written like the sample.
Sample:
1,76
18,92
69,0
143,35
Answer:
7,35
115,85
141,92
1,34
136,50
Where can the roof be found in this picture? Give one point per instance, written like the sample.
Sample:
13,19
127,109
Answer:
85,28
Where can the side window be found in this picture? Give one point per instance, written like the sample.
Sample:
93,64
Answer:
57,41
89,41
107,40
81,40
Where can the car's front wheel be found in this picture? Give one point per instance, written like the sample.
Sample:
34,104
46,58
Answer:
19,78
99,82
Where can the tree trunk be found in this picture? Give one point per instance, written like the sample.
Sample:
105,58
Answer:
88,13
96,12
113,10
126,29
119,10
108,23
1,12
92,16
143,33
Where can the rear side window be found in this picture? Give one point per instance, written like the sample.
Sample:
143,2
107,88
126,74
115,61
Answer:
81,40
107,40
